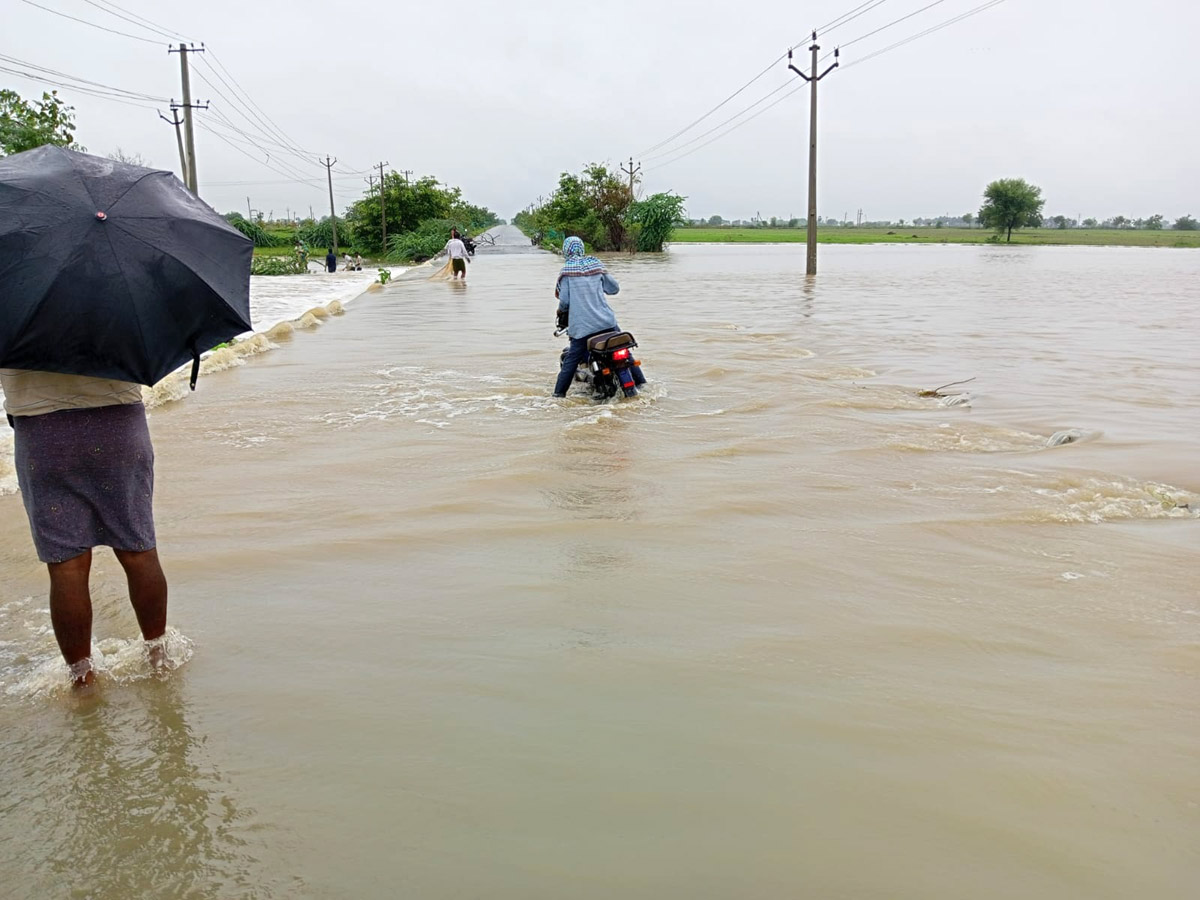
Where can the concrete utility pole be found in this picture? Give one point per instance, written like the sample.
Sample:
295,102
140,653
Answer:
810,267
249,211
329,164
631,172
176,121
382,208
405,173
187,106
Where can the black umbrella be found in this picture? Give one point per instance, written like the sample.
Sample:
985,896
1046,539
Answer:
113,270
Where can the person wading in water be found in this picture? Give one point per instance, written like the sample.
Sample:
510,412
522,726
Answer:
458,255
85,466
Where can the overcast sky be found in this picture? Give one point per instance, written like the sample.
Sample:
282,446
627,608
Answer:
1094,100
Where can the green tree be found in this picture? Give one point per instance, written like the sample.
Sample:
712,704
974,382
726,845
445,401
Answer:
474,218
652,220
592,205
968,219
1186,223
1011,203
25,125
1059,222
715,220
1120,222
1155,222
407,204
1090,223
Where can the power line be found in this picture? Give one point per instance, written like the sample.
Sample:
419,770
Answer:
91,92
840,20
161,29
846,18
134,21
705,134
734,128
272,128
92,24
137,95
222,137
695,122
267,137
983,7
253,183
250,100
863,37
284,168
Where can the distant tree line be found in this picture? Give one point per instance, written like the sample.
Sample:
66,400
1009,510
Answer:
966,220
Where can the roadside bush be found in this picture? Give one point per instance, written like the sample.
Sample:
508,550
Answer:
254,231
320,234
652,220
424,242
292,264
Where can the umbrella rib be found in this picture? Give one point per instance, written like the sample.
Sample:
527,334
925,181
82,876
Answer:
137,315
136,182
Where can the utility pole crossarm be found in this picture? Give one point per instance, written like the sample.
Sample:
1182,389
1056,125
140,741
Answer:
632,172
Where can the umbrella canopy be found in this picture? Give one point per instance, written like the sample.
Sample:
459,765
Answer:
113,270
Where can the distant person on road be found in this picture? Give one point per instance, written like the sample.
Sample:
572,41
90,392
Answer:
85,466
458,256
330,261
580,290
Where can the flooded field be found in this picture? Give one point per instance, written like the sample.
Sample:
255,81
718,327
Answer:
791,623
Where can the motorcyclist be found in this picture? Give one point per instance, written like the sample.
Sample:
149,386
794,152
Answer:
581,288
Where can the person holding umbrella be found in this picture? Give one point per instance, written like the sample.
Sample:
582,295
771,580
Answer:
115,276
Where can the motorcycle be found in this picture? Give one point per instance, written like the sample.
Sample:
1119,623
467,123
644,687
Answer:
609,365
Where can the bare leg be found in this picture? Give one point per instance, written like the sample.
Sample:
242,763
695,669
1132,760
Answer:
148,594
71,614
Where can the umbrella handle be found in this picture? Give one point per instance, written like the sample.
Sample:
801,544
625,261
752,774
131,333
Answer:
195,367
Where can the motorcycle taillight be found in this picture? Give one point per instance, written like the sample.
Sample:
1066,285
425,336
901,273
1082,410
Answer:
621,354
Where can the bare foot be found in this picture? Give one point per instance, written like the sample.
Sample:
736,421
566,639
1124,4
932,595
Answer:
82,673
156,651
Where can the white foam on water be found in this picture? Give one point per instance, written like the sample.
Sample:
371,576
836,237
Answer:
838,373
1096,500
32,668
965,437
278,298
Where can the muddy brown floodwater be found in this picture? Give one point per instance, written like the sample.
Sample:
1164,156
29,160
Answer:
779,627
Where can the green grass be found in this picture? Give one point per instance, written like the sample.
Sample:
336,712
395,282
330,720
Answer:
909,234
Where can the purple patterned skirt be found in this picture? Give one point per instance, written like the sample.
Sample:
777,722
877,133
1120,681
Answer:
87,479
